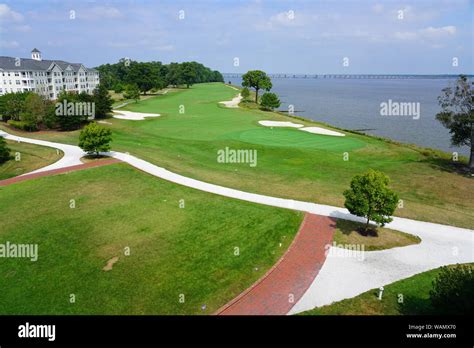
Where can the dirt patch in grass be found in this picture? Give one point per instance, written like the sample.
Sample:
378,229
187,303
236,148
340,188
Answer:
110,264
349,232
91,158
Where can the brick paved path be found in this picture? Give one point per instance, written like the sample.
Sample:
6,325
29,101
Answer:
286,282
57,171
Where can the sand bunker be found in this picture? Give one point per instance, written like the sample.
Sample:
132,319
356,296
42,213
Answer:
323,131
110,264
314,130
234,103
133,116
280,124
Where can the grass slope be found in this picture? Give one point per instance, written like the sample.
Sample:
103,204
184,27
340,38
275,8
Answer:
173,250
413,292
291,163
32,157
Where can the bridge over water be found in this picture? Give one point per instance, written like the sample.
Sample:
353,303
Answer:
348,76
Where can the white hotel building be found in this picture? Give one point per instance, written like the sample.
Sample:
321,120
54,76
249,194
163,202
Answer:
45,77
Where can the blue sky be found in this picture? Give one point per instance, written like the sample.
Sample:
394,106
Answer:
275,36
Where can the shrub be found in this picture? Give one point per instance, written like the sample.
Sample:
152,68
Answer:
23,125
269,101
453,291
4,151
94,139
245,93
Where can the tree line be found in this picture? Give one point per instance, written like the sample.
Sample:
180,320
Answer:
150,76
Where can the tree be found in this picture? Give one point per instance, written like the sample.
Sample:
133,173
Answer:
68,116
245,93
256,79
35,107
132,92
458,114
173,75
94,139
370,197
149,75
143,75
12,105
453,291
103,102
270,101
118,87
4,151
50,119
188,74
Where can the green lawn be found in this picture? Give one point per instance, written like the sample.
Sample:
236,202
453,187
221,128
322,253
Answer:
173,250
347,233
291,163
31,157
414,299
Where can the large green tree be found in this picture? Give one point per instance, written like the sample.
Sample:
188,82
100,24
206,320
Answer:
458,114
103,102
35,110
132,92
68,115
12,105
370,197
258,80
94,139
188,74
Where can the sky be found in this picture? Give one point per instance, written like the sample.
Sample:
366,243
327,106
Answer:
234,36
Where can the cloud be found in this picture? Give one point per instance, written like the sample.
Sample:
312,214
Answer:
7,14
430,33
9,44
119,44
163,48
283,19
22,28
99,12
377,8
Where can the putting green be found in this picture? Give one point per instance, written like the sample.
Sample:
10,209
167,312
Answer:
296,138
